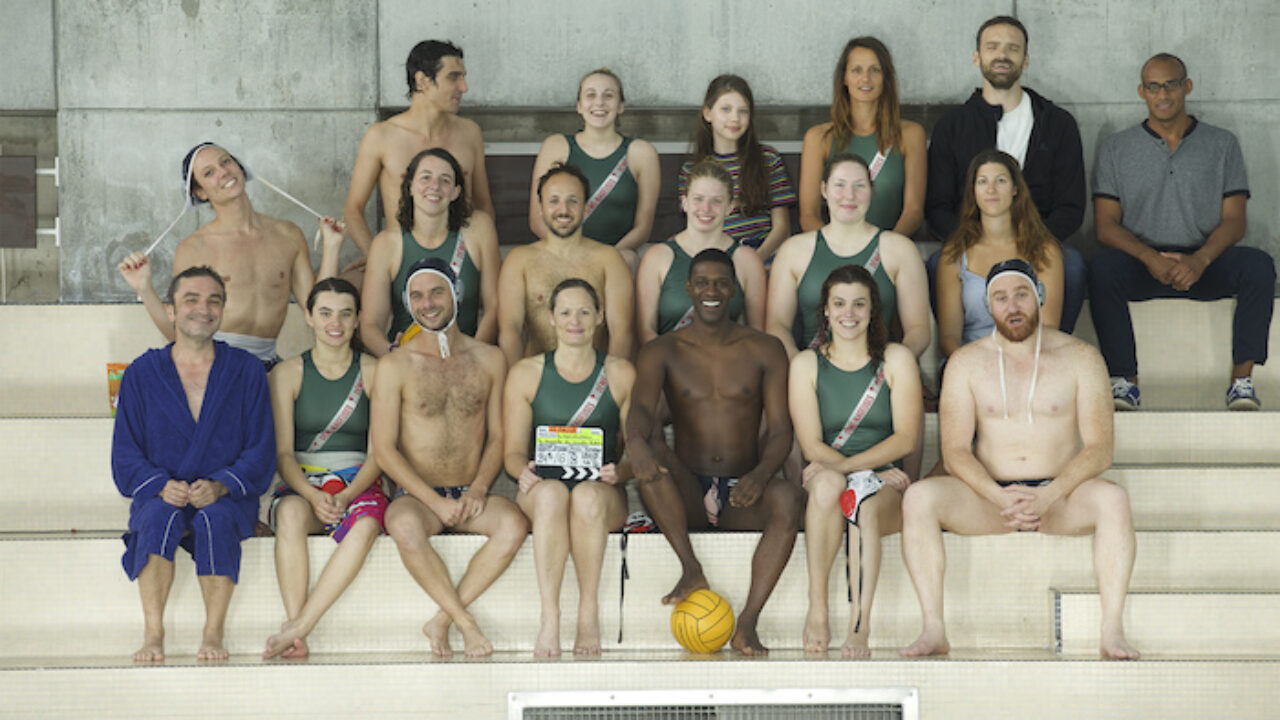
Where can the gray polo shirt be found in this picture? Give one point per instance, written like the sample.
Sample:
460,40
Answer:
1171,199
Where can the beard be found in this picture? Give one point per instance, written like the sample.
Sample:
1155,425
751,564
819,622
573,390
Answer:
1021,332
566,232
1001,80
441,323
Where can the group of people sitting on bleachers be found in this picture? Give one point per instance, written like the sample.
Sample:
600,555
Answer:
450,364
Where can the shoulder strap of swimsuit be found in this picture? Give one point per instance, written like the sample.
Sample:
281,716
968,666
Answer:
343,414
860,410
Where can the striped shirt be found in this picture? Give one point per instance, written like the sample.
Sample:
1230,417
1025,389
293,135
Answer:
750,230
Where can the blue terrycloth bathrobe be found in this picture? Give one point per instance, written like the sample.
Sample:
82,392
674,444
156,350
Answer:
157,440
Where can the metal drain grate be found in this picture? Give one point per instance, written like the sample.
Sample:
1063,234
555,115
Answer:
741,704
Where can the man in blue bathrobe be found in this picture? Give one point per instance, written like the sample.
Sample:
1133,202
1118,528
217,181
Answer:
194,448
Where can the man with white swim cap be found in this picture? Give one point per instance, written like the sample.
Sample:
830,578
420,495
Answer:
261,259
435,425
1026,422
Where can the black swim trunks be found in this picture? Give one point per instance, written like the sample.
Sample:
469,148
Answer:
1025,483
715,493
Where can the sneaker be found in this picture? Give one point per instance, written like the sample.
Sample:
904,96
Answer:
1125,394
1240,396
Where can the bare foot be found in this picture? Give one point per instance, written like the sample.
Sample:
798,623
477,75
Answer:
152,650
211,650
475,643
588,640
683,589
745,640
1115,647
933,641
548,643
817,634
855,646
437,631
298,651
286,643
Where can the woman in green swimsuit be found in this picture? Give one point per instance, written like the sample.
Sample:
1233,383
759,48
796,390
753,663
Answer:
866,120
332,484
623,172
577,386
805,261
662,304
855,405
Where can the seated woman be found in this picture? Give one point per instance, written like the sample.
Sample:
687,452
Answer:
434,220
574,385
332,483
998,221
623,172
805,260
760,214
866,120
662,304
855,406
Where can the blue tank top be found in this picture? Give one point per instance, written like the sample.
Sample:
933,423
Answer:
973,298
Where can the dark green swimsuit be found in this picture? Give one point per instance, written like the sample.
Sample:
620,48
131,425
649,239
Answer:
468,277
823,261
839,392
616,215
887,186
318,401
558,399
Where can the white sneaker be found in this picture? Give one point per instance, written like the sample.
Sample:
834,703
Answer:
1241,396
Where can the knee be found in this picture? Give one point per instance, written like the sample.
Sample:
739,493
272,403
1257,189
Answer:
786,502
292,514
825,487
1111,500
919,501
588,503
364,530
406,528
1256,267
549,498
512,530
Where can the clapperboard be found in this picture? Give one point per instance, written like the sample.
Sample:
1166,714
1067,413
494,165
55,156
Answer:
568,453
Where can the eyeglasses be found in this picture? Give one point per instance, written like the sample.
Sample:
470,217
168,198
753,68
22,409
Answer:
1172,85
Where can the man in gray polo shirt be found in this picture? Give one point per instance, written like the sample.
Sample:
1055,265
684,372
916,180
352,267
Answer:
1169,209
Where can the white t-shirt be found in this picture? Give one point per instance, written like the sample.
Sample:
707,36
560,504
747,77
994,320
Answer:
1013,132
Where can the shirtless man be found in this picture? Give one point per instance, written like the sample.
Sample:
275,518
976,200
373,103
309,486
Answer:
530,272
261,259
718,378
436,427
1037,401
437,80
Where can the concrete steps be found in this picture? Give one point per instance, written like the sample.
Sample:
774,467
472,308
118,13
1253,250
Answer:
965,686
55,363
1221,622
998,592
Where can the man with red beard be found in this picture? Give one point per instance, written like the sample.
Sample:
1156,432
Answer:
1026,422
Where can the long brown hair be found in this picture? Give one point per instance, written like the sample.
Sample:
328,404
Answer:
459,209
1032,238
877,331
888,112
753,183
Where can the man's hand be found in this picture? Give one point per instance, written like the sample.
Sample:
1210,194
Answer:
1186,270
324,506
1161,267
473,502
748,490
136,270
1014,502
176,493
646,468
206,492
609,474
895,478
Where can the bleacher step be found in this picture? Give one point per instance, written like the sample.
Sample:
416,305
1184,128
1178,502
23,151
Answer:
384,609
1220,622
966,686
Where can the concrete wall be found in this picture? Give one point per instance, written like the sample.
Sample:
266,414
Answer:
290,84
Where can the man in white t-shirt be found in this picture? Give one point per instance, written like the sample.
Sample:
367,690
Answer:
1042,136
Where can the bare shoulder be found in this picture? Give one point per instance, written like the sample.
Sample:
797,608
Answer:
554,147
796,247
480,227
765,346
818,133
518,257
897,355
277,230
970,355
368,369
642,151
468,130
805,362
390,369
527,371
488,356
912,132
287,371
1075,351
